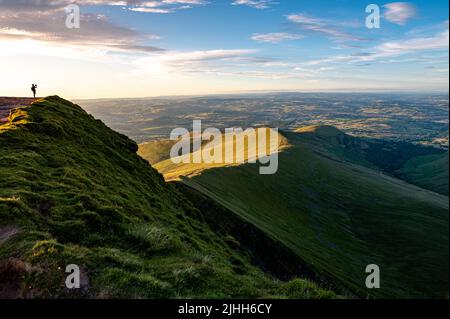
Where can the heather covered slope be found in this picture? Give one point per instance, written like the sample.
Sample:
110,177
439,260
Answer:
72,191
335,208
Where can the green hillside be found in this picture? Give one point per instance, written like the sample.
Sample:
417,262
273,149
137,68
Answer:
249,151
331,205
155,151
158,150
423,166
428,171
72,191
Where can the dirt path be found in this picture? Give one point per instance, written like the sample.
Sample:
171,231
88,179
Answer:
6,232
8,103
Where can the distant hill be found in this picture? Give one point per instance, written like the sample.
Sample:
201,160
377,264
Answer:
420,165
336,203
173,171
323,131
427,171
72,191
156,151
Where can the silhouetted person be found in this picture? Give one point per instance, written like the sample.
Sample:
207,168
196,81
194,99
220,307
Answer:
33,89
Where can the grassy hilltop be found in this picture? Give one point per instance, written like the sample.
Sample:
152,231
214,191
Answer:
337,204
72,191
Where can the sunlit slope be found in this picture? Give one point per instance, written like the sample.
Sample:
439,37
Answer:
158,150
72,191
155,151
340,214
248,151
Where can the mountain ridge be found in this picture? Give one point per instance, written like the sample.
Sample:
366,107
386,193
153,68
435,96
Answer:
72,191
329,201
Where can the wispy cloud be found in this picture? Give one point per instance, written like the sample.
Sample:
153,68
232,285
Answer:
154,6
230,63
395,48
439,41
206,61
162,6
97,31
399,12
257,4
44,21
317,25
275,37
184,58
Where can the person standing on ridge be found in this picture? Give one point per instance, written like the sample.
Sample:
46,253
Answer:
33,89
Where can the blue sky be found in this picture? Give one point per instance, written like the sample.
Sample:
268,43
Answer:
170,47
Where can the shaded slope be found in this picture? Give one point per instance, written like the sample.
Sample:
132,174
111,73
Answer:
335,210
420,165
75,192
428,171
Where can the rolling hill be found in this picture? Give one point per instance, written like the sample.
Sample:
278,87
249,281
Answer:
72,191
336,203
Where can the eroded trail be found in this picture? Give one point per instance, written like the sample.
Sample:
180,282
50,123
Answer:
8,103
7,232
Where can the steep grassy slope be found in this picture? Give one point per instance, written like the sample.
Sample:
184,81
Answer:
423,166
7,103
156,151
337,211
428,171
247,151
72,191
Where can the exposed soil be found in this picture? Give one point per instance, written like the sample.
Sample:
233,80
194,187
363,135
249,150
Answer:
7,232
8,103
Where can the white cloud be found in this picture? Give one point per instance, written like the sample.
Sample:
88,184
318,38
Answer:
154,6
221,62
190,61
275,37
96,32
191,58
43,21
399,12
230,63
150,10
257,4
320,26
162,6
393,48
439,41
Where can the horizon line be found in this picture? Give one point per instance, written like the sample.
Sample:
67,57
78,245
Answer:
252,92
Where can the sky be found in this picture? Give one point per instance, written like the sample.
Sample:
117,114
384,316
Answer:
144,48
